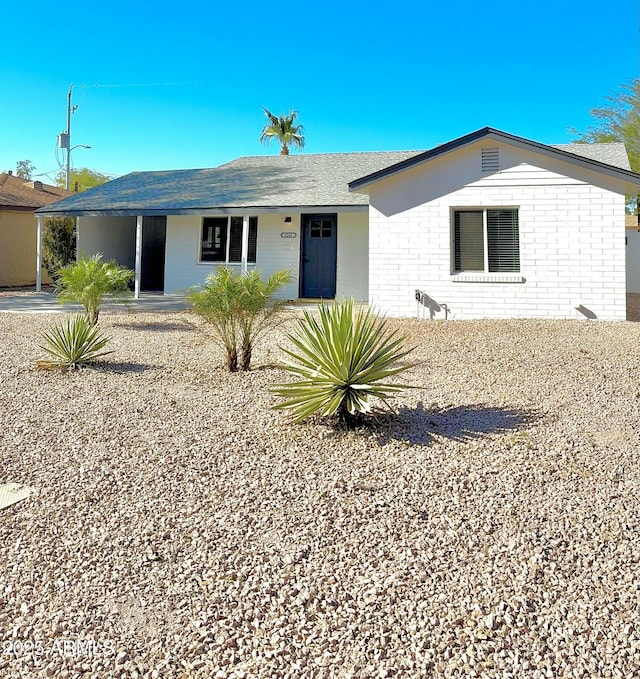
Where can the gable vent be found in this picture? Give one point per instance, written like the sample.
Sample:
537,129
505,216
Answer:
38,186
490,160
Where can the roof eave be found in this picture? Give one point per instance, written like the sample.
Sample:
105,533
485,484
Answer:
221,210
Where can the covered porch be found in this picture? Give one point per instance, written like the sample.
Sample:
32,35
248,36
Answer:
138,242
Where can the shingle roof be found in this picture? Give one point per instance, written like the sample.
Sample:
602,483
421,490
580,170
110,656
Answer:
305,181
613,153
18,193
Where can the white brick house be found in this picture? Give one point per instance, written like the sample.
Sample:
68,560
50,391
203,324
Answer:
487,226
494,226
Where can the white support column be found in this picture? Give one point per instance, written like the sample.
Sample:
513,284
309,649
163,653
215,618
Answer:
245,244
38,253
136,289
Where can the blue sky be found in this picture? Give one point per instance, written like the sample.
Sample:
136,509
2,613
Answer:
181,85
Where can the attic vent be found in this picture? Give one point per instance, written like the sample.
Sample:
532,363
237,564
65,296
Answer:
38,186
490,160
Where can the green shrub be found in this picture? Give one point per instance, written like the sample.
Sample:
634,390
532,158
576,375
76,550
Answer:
215,303
239,308
257,309
343,358
89,280
58,244
73,343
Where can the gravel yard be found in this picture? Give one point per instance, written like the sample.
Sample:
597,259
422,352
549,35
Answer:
182,528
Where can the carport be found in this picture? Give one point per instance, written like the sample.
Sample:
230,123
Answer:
137,242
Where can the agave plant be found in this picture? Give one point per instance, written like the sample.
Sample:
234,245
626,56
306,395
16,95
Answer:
89,280
343,358
73,343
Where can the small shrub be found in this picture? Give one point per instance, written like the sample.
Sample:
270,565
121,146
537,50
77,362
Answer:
58,244
239,308
73,343
89,280
343,358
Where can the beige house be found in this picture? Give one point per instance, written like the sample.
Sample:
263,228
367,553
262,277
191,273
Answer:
18,200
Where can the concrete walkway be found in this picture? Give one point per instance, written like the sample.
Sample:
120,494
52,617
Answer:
47,303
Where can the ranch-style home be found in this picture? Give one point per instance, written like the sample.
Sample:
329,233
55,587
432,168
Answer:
488,225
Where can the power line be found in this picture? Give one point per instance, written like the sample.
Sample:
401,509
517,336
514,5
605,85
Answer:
169,84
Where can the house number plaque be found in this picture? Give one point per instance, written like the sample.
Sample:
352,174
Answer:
288,234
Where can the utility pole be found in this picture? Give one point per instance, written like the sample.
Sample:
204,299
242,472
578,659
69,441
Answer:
70,110
64,138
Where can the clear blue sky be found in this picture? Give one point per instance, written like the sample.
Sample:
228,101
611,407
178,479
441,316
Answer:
181,84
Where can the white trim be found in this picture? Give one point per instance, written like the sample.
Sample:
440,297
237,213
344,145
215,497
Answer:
38,253
136,292
244,253
487,278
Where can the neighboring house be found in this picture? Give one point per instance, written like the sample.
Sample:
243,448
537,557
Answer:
18,200
488,225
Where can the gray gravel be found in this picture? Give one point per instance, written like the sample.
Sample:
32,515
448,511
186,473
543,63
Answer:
182,528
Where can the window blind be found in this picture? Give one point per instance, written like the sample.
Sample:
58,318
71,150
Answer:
469,241
235,239
503,240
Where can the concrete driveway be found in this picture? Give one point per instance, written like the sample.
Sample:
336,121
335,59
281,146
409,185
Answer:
46,302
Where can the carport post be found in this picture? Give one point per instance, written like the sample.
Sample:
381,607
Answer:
245,244
38,253
136,289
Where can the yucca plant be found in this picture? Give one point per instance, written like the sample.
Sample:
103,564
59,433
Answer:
343,358
89,280
239,308
73,343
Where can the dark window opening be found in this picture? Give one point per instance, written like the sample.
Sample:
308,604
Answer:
217,232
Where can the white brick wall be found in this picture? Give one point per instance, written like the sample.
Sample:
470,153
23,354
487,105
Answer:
572,240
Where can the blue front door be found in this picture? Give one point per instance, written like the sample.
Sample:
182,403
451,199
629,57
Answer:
318,265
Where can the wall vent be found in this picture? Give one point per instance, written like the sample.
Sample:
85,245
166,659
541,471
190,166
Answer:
490,160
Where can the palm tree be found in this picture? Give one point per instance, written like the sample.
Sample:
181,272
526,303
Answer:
284,129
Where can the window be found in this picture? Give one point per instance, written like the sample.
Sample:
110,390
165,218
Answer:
222,240
486,241
321,228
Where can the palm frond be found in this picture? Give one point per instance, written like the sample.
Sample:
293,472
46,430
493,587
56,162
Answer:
284,129
239,308
90,280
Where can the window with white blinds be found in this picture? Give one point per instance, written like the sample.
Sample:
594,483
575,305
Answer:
486,240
